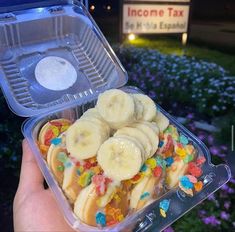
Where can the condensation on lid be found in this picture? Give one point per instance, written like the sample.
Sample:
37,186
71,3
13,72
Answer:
55,73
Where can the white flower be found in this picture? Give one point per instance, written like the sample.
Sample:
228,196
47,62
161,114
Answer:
214,107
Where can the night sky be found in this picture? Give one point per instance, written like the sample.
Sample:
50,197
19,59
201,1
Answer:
202,9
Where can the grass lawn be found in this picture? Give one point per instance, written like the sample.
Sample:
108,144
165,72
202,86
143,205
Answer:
173,46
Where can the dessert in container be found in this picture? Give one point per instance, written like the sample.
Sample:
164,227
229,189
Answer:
64,31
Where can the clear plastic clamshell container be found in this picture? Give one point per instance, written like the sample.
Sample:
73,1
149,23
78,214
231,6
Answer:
66,30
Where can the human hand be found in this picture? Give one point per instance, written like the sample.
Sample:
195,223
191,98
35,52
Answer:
35,208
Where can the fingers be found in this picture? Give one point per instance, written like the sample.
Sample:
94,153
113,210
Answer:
31,178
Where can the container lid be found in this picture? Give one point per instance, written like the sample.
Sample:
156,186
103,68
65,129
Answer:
52,54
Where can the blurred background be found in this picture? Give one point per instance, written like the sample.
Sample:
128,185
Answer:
194,82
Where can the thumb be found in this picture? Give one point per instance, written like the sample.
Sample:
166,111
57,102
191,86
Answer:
31,178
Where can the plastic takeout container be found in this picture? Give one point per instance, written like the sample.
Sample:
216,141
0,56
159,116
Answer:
62,28
67,31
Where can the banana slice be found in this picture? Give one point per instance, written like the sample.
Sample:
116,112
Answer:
147,130
104,131
152,125
92,112
139,136
139,108
149,184
149,106
135,141
70,183
120,158
116,107
53,162
161,120
97,121
84,138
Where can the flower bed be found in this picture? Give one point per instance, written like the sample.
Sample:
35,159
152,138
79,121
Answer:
187,87
172,79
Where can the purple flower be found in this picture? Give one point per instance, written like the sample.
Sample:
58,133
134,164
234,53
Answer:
232,180
151,78
175,104
202,213
201,137
142,86
224,215
152,94
227,204
222,155
169,229
192,127
231,191
214,150
147,73
210,139
224,148
225,187
211,197
190,116
211,220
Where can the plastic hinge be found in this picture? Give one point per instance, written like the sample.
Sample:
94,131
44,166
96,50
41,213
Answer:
208,178
146,223
7,17
56,10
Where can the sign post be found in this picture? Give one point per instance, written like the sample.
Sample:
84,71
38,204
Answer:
155,17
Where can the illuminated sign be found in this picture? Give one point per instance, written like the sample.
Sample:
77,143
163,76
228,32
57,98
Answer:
144,18
160,1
